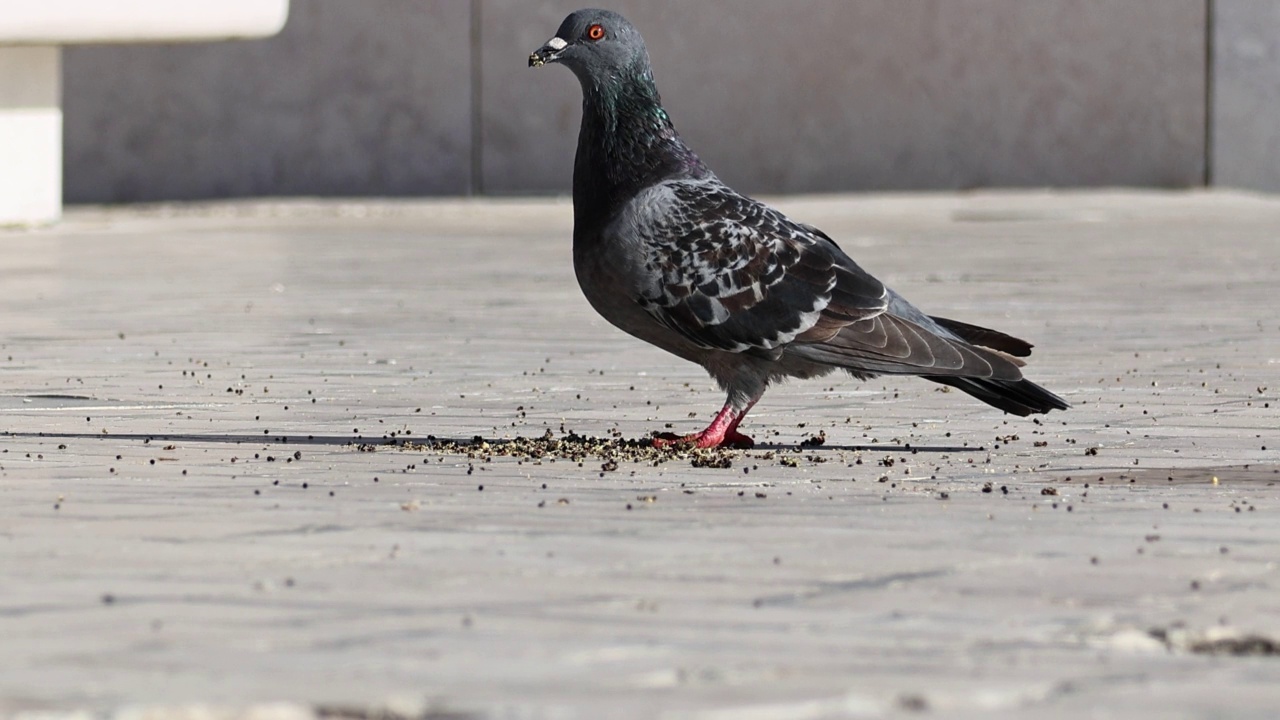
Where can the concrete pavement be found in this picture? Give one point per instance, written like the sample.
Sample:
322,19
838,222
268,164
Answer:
200,516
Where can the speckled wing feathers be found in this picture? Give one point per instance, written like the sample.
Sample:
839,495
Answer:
731,274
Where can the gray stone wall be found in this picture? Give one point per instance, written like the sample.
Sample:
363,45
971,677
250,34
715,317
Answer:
822,95
390,97
1245,123
367,97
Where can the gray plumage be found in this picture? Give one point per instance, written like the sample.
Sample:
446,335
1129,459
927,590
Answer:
666,252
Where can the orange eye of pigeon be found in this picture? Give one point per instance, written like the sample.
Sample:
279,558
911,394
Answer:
595,32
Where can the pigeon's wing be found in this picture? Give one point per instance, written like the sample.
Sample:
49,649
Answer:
732,274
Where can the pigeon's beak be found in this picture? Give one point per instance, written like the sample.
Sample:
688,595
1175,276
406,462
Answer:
549,52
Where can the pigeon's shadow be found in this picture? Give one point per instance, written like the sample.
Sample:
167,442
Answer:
869,448
221,438
428,441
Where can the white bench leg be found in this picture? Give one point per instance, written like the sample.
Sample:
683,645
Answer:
30,135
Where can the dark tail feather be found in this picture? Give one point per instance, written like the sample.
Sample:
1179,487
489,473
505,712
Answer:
986,337
1018,397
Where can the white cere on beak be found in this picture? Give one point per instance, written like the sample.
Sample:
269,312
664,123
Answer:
557,44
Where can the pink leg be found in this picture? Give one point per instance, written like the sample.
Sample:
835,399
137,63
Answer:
723,431
735,438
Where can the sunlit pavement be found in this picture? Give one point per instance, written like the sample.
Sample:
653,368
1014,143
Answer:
204,509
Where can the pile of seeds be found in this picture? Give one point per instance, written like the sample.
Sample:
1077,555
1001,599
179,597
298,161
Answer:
574,448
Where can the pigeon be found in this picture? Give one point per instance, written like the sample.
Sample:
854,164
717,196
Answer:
668,253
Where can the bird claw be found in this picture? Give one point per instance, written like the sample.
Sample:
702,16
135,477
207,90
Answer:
704,440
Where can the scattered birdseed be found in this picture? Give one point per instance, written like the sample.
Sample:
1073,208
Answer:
610,452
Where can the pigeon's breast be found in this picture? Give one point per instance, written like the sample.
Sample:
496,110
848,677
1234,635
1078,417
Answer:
623,247
609,291
613,268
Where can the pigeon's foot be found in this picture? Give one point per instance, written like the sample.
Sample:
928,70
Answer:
722,432
705,439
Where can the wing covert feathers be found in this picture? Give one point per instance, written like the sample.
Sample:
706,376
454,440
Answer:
731,274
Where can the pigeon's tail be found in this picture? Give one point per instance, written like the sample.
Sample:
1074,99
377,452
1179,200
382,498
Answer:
979,361
1017,397
986,337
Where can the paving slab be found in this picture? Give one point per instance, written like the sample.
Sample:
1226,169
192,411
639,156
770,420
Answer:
217,498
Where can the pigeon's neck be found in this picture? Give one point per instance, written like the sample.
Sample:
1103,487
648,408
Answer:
626,143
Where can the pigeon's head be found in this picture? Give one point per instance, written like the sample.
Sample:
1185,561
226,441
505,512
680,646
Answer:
594,44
